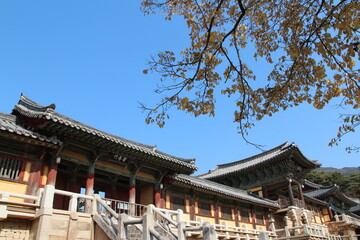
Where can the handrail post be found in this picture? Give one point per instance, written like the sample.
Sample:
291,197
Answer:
306,229
122,231
180,225
3,206
39,194
94,208
208,231
148,223
73,203
287,232
47,200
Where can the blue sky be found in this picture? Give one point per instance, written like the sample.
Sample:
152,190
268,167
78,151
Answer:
87,57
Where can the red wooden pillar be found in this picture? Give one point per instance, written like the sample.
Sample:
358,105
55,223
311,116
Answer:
291,194
89,185
216,210
51,178
330,214
132,188
237,217
265,192
157,195
90,179
301,194
192,205
34,178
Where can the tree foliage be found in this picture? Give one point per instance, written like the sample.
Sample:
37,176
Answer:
312,47
350,185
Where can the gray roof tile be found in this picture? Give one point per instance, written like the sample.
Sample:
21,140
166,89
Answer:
29,108
8,124
277,152
225,190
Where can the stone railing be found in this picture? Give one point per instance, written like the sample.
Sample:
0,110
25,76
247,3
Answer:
25,206
347,219
131,209
284,203
302,232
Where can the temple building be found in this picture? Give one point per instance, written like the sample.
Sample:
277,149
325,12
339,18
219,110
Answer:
63,179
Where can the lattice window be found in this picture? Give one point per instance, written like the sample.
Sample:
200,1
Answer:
178,203
259,219
226,213
10,168
204,209
244,216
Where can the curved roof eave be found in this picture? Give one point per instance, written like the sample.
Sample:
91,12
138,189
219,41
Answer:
218,188
256,160
29,108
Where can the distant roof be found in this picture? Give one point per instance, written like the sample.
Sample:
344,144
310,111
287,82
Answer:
8,125
264,157
28,108
321,192
224,190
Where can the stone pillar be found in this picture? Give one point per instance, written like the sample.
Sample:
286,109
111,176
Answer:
291,194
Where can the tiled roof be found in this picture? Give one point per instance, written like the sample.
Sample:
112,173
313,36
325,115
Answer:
320,192
332,190
312,185
218,188
275,153
8,124
29,108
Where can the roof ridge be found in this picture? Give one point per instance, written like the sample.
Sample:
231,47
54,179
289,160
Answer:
30,108
280,147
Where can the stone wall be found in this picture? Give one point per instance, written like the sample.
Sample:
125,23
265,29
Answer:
15,229
64,225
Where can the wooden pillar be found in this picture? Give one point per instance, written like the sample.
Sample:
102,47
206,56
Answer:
236,209
301,193
34,178
216,210
90,179
253,216
192,205
265,192
89,185
157,195
291,194
51,178
330,214
158,190
132,187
